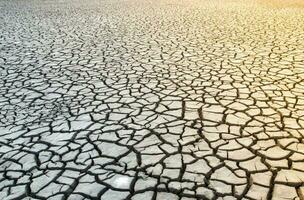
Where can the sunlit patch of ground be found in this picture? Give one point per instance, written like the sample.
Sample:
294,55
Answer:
283,3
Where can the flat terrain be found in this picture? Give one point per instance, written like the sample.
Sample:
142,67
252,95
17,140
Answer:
151,99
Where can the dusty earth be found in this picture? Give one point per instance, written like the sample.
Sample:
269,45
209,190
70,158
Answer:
142,99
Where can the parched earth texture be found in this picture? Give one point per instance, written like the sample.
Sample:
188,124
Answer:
151,100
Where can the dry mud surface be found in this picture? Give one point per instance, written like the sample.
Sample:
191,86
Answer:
162,99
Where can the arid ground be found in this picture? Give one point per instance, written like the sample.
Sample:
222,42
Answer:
152,99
